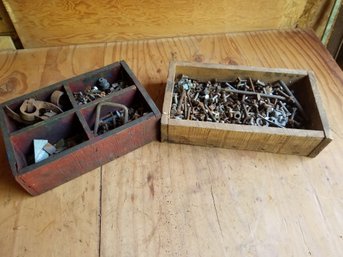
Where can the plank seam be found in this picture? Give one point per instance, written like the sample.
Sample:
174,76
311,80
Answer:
100,211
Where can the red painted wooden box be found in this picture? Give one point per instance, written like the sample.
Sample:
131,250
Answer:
91,150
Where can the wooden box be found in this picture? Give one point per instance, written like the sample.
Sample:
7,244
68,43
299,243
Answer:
91,150
306,142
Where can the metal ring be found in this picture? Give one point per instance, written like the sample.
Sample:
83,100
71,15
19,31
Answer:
29,110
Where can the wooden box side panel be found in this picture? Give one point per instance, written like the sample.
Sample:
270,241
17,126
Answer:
168,93
320,108
204,72
164,127
88,157
245,140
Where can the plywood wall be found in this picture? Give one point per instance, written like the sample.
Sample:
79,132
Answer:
316,15
59,22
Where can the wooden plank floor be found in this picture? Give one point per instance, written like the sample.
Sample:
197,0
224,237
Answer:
179,200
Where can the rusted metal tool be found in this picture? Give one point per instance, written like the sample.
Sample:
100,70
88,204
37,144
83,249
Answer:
116,105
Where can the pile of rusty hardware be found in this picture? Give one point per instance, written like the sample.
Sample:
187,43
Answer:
101,88
241,101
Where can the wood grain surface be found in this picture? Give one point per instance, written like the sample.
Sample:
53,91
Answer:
60,22
178,200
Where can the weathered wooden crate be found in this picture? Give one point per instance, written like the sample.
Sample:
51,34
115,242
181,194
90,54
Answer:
306,142
91,150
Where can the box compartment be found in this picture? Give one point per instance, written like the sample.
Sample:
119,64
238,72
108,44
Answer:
41,95
113,74
130,97
66,127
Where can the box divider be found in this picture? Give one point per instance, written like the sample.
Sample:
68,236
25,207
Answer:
70,96
40,123
84,124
